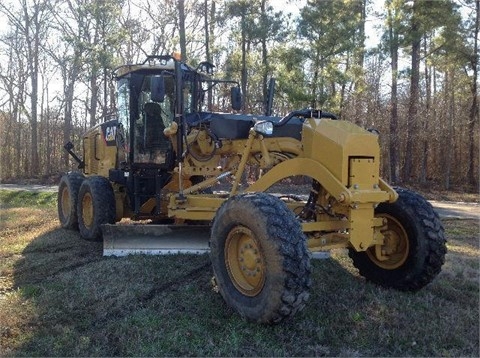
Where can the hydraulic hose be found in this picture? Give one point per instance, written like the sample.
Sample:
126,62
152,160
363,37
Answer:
305,113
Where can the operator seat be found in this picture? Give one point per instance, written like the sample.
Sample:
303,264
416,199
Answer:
154,126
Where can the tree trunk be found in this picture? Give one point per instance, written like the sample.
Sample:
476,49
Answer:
411,131
359,62
316,77
207,28
69,85
474,111
263,41
426,121
181,25
33,46
450,95
394,150
244,63
94,97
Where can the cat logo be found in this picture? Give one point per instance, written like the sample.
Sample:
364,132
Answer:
110,133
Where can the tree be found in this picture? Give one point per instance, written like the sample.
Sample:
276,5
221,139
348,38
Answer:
181,29
393,41
472,175
132,48
102,39
268,29
322,62
330,32
424,16
245,11
31,21
70,23
14,80
209,17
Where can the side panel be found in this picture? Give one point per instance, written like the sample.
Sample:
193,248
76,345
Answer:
100,149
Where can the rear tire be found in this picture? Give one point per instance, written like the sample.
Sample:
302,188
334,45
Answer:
414,249
96,206
67,198
260,258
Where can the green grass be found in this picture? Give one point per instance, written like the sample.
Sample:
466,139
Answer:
60,297
23,198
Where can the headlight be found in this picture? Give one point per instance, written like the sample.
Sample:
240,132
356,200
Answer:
264,127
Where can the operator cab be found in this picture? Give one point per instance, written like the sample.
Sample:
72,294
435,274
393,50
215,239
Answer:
151,96
143,118
148,102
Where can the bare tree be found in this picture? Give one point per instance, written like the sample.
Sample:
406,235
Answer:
13,83
69,23
32,21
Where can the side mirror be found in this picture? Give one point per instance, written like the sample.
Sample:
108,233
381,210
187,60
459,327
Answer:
157,89
236,95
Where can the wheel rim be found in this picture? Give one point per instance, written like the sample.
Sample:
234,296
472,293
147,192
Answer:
394,251
244,261
87,210
66,202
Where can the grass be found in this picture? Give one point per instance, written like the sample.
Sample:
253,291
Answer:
60,297
23,198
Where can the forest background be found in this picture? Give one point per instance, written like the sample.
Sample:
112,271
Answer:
407,68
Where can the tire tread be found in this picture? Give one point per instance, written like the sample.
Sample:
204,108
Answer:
282,225
424,269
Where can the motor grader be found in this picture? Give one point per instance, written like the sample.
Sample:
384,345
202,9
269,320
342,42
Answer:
159,160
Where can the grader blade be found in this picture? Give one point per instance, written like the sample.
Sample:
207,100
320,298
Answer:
122,240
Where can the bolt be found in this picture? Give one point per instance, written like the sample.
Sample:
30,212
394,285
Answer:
356,186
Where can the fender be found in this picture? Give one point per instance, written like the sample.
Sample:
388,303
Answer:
307,167
317,171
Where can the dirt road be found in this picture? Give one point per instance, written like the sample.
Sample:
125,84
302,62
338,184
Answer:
456,210
30,187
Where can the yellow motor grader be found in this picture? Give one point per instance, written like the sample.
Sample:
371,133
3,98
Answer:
159,159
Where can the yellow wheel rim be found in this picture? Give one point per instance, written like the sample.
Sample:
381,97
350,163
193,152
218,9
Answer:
87,210
66,203
244,261
394,251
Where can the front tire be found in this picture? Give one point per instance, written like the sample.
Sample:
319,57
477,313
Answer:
414,249
260,258
96,206
68,189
